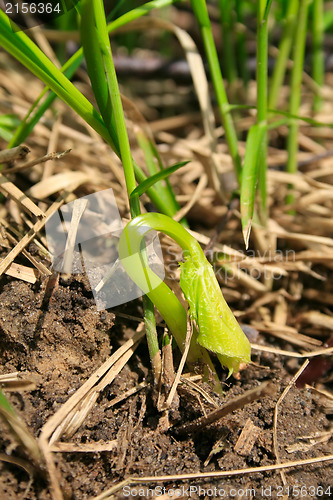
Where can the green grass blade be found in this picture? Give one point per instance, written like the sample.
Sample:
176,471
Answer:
200,11
40,106
8,123
93,43
290,116
171,195
328,20
19,45
228,28
4,404
139,12
25,51
241,44
284,52
294,116
71,65
267,9
142,188
262,71
254,143
159,203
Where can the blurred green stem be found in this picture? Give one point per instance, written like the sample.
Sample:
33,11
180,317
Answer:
284,52
241,43
163,188
262,69
295,89
200,11
152,340
318,65
227,26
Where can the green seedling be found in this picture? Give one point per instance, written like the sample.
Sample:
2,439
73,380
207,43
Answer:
228,29
218,329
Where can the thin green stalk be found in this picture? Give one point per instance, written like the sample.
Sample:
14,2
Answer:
25,51
173,202
36,112
117,107
262,70
328,19
200,10
255,161
295,89
284,52
227,25
318,65
152,340
250,171
67,22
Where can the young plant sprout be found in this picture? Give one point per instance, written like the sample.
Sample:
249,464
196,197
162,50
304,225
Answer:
219,330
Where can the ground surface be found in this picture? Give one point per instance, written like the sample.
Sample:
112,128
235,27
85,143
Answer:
62,342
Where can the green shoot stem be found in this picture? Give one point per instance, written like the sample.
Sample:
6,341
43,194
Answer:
262,69
152,340
117,108
118,119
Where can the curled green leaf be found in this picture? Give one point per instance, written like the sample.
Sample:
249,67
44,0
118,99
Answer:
219,330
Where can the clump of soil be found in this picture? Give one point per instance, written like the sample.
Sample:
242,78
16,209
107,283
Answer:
60,340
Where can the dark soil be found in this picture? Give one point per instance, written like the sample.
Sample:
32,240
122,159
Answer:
60,341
